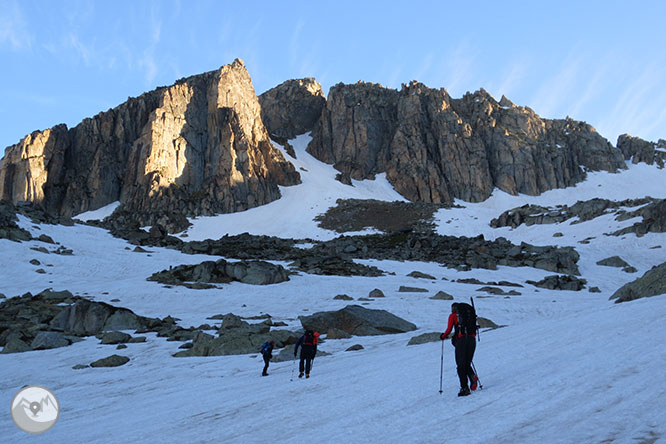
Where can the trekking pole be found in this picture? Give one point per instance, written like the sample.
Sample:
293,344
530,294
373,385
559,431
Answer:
477,376
441,368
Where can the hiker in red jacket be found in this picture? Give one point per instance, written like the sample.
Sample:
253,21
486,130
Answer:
308,344
463,320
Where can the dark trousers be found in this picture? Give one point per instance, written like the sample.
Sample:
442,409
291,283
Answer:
465,348
267,359
306,361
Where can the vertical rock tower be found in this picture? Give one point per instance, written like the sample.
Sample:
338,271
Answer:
198,147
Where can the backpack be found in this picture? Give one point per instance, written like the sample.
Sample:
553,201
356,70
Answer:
265,348
466,319
309,338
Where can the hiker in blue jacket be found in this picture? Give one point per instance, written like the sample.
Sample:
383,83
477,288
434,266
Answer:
267,353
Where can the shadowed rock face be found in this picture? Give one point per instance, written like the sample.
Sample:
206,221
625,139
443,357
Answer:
292,108
198,147
639,150
434,148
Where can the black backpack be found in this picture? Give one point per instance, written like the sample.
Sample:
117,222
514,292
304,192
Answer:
309,338
466,319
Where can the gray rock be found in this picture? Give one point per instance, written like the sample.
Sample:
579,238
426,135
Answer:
336,333
557,282
80,366
14,344
286,354
221,271
355,347
121,347
137,340
442,296
357,320
49,339
83,318
231,320
235,341
425,338
613,261
376,293
115,337
419,275
486,323
594,290
630,269
343,297
111,361
652,283
495,291
404,289
46,239
122,319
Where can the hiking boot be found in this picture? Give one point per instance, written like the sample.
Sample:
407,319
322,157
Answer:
464,392
307,375
474,383
264,374
300,374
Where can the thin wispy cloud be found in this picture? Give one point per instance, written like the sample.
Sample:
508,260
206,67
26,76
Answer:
557,90
84,52
511,82
424,68
457,69
640,108
14,32
148,62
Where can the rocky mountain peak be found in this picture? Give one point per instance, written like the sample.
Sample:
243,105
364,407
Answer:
198,147
434,148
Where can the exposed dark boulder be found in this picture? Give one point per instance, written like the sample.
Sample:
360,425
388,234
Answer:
222,272
357,320
652,283
111,361
557,282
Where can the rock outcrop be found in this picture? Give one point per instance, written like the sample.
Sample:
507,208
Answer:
652,283
292,108
639,150
434,148
357,320
223,272
198,147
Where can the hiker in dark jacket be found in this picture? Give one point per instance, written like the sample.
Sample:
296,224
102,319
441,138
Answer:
267,353
464,340
308,344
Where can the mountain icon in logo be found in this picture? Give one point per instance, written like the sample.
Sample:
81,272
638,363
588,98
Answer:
35,409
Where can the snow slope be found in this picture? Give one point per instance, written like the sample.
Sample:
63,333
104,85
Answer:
566,367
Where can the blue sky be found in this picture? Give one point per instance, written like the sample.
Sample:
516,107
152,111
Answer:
603,62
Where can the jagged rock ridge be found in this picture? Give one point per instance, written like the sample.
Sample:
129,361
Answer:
198,147
434,148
